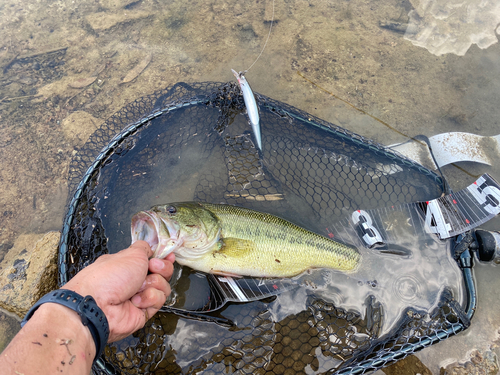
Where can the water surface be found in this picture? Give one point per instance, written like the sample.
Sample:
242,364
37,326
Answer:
64,63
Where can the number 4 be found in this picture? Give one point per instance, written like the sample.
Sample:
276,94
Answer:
434,220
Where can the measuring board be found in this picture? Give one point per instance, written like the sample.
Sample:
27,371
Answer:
446,216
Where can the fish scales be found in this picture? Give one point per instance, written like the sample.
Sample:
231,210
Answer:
281,247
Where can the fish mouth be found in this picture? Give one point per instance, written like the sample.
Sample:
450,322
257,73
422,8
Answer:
162,235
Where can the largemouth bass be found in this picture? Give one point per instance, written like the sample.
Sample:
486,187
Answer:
229,240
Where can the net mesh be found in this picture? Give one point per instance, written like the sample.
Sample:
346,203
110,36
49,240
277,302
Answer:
193,142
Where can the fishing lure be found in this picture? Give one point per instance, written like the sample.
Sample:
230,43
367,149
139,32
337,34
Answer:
251,105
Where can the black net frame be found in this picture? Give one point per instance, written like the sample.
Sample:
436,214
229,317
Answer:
84,239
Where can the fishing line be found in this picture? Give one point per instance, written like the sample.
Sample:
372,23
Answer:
265,44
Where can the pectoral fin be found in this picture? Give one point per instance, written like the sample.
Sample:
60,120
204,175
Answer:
236,248
235,257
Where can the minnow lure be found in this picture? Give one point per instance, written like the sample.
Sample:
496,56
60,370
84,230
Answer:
251,104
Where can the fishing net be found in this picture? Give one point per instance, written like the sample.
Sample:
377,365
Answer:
193,142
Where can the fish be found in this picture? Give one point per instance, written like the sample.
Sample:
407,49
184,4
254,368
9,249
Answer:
251,105
229,240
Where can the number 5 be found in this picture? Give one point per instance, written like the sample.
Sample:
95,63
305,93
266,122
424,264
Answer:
487,196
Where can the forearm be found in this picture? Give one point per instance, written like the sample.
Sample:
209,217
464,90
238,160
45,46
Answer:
53,341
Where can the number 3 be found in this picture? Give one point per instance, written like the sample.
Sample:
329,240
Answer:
372,235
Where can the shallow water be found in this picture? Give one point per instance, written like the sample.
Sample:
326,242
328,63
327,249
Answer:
358,51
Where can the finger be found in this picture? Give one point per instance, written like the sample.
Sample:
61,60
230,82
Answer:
144,246
171,257
162,267
150,297
155,281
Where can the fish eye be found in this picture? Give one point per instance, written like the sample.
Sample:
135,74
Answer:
171,209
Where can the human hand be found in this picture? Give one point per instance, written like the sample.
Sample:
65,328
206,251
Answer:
122,288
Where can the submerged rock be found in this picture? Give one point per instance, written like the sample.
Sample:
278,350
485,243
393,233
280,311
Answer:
409,366
28,271
78,126
103,21
9,326
480,363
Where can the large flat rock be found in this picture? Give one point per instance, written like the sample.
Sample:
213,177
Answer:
28,271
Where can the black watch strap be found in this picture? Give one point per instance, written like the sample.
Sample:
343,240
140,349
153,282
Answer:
91,315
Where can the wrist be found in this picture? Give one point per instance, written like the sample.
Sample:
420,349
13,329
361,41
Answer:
70,331
84,290
91,316
54,340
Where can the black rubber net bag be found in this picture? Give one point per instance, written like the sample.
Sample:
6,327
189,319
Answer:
193,142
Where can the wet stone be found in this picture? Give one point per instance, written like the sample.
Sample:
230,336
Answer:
28,271
479,363
9,326
105,21
323,335
408,364
302,317
162,364
18,270
229,360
